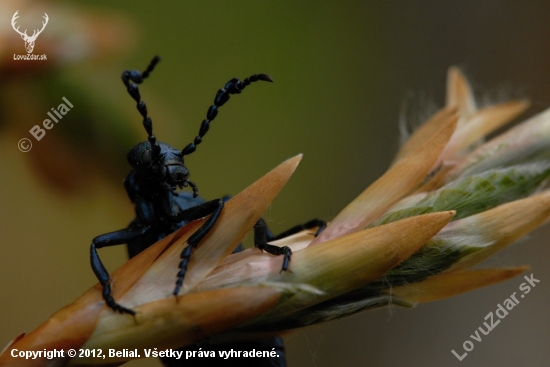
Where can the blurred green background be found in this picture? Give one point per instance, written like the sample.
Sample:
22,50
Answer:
343,71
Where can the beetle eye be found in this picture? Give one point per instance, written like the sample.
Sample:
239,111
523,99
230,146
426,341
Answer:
146,156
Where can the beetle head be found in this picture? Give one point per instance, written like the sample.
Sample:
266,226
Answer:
167,166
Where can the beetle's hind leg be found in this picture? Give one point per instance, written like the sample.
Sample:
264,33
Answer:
262,235
321,224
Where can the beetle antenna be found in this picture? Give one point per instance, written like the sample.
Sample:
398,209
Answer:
234,86
137,77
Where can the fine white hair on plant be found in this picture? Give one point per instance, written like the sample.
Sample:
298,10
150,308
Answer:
415,109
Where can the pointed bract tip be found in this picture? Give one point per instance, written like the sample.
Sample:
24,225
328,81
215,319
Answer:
450,284
294,161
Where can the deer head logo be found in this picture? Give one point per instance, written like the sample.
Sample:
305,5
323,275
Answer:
29,40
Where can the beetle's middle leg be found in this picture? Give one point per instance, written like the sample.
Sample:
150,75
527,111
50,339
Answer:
213,207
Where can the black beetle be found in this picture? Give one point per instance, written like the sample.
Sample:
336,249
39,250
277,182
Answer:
157,171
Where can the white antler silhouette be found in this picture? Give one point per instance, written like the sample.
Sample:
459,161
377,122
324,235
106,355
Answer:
29,40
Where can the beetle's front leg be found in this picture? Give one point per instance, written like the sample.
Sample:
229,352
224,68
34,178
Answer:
213,207
105,240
